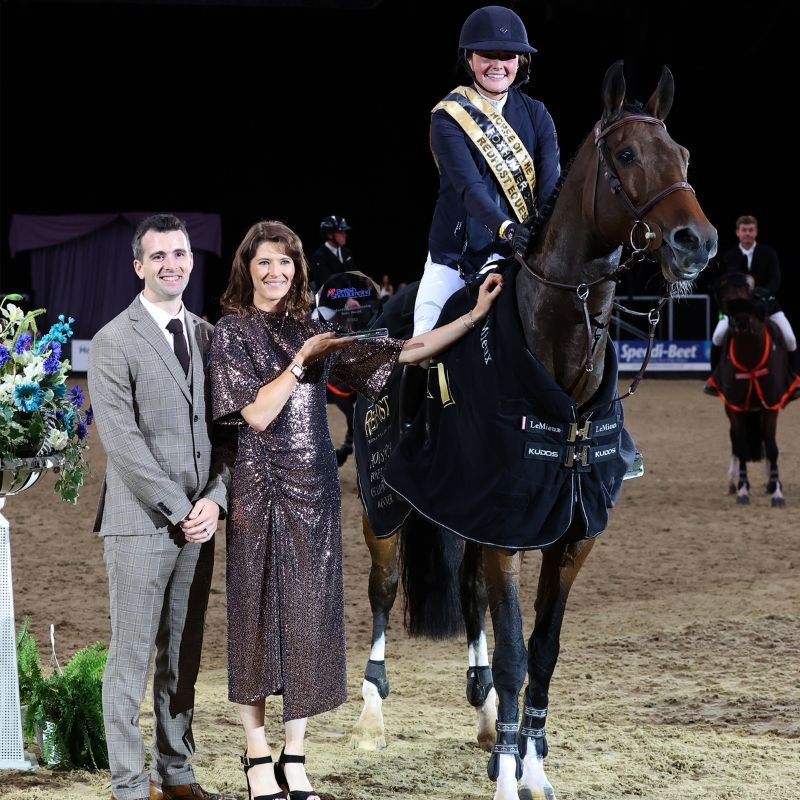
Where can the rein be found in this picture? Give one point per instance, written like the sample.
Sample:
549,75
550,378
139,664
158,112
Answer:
640,244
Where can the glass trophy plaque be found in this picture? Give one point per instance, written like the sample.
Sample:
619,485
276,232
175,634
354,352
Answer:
349,303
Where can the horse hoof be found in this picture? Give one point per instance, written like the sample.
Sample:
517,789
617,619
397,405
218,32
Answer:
362,740
537,794
778,502
743,500
486,741
731,489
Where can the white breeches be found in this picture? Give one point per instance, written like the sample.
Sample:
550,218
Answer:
780,320
439,282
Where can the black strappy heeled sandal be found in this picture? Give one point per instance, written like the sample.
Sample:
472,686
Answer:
248,762
280,777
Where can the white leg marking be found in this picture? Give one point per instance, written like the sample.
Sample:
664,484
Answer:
368,732
507,779
378,652
533,777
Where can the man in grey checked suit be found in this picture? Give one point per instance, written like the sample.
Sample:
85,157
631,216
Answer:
164,491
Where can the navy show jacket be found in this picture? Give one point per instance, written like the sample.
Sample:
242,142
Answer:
471,205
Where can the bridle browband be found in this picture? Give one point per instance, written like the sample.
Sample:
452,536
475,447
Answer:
640,244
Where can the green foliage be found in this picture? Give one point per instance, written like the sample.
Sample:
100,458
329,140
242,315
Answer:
28,669
72,703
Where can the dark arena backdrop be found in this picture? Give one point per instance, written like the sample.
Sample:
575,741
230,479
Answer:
244,109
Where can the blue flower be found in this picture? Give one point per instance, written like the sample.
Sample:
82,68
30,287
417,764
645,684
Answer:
61,330
76,396
89,415
23,343
28,396
82,430
68,418
4,354
59,390
51,365
47,343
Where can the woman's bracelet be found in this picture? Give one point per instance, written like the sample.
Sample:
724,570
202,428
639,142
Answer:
471,325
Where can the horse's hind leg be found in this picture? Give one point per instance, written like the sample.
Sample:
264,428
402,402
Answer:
501,571
774,486
560,566
368,732
474,602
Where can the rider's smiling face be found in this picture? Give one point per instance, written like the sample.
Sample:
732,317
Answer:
494,71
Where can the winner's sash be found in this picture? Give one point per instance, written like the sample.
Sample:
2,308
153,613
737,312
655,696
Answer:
499,144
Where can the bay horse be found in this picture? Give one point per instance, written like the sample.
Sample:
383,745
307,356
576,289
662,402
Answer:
627,185
755,382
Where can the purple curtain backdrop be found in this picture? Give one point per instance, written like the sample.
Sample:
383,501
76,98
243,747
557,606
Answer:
82,264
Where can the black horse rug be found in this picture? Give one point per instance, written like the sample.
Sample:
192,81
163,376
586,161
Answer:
498,453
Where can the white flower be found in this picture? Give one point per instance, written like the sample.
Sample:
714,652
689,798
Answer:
57,439
33,371
13,313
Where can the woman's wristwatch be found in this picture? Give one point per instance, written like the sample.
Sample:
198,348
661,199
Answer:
297,370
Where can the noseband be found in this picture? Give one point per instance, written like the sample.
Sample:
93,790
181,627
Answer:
641,238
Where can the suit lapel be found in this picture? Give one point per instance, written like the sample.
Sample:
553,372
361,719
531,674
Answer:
146,327
198,365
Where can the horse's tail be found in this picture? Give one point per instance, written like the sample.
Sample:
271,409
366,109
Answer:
753,437
430,560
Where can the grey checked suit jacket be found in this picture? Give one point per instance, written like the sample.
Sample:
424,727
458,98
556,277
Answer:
155,425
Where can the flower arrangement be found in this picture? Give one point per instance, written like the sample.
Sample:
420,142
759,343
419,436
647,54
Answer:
39,415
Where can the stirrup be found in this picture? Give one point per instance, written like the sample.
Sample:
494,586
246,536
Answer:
636,469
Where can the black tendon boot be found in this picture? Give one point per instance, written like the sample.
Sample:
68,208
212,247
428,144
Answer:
533,728
506,745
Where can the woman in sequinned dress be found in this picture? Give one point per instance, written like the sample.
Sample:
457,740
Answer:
270,363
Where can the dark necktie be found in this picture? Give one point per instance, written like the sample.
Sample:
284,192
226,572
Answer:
179,343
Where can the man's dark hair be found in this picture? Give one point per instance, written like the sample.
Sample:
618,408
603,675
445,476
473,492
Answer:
160,223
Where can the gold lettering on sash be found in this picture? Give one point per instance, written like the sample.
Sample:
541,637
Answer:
503,150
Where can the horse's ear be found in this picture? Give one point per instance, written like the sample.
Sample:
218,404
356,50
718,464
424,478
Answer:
613,92
660,101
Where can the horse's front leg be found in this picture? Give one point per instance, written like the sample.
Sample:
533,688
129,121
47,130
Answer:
560,565
740,449
480,687
501,571
368,732
770,431
733,474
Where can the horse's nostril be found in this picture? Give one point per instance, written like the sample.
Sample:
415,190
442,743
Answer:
686,239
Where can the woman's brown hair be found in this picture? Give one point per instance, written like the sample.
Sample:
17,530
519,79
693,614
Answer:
238,295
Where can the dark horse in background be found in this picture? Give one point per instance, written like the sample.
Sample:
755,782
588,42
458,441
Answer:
627,185
755,382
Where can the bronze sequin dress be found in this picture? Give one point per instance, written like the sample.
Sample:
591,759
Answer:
284,542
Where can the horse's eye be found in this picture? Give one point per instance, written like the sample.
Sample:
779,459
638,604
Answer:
626,156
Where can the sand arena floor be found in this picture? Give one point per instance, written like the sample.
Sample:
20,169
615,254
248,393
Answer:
679,673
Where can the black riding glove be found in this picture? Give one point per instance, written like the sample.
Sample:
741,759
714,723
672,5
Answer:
519,237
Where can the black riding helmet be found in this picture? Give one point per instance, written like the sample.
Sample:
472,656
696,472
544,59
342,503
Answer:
494,28
333,223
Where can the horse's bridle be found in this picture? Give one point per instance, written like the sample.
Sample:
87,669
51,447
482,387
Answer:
641,238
